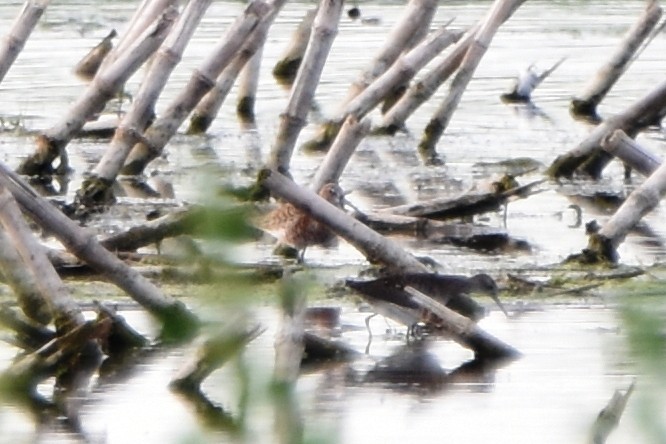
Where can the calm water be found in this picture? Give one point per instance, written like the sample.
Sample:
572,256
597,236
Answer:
575,355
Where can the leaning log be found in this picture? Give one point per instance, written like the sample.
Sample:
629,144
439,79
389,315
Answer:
209,106
293,119
587,158
13,43
631,153
415,24
378,249
66,313
400,73
90,63
96,188
178,321
201,81
22,282
287,66
585,104
248,83
497,15
52,142
338,156
603,245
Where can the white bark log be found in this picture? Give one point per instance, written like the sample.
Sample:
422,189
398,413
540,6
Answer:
147,12
248,85
208,107
84,246
631,153
104,86
414,24
22,282
639,114
13,43
595,91
67,314
136,119
497,15
287,66
293,119
338,156
202,80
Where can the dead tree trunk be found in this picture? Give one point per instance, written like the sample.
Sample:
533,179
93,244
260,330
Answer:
88,66
248,85
294,118
66,313
202,80
602,246
96,189
379,249
22,282
341,151
415,23
587,157
398,74
632,154
13,43
208,107
286,68
177,320
585,104
51,144
497,15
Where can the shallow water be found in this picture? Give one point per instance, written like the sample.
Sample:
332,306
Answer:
574,355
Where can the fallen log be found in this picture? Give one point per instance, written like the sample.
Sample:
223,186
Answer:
631,153
379,249
588,158
466,205
585,104
177,320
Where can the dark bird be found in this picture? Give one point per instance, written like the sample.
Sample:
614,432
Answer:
298,229
389,297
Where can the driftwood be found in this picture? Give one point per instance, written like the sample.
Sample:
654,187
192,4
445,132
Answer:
207,109
66,313
147,12
415,24
96,189
287,66
603,244
22,282
338,156
13,43
585,104
588,158
466,205
293,119
499,12
177,320
377,249
247,86
28,335
52,142
399,73
632,154
201,81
